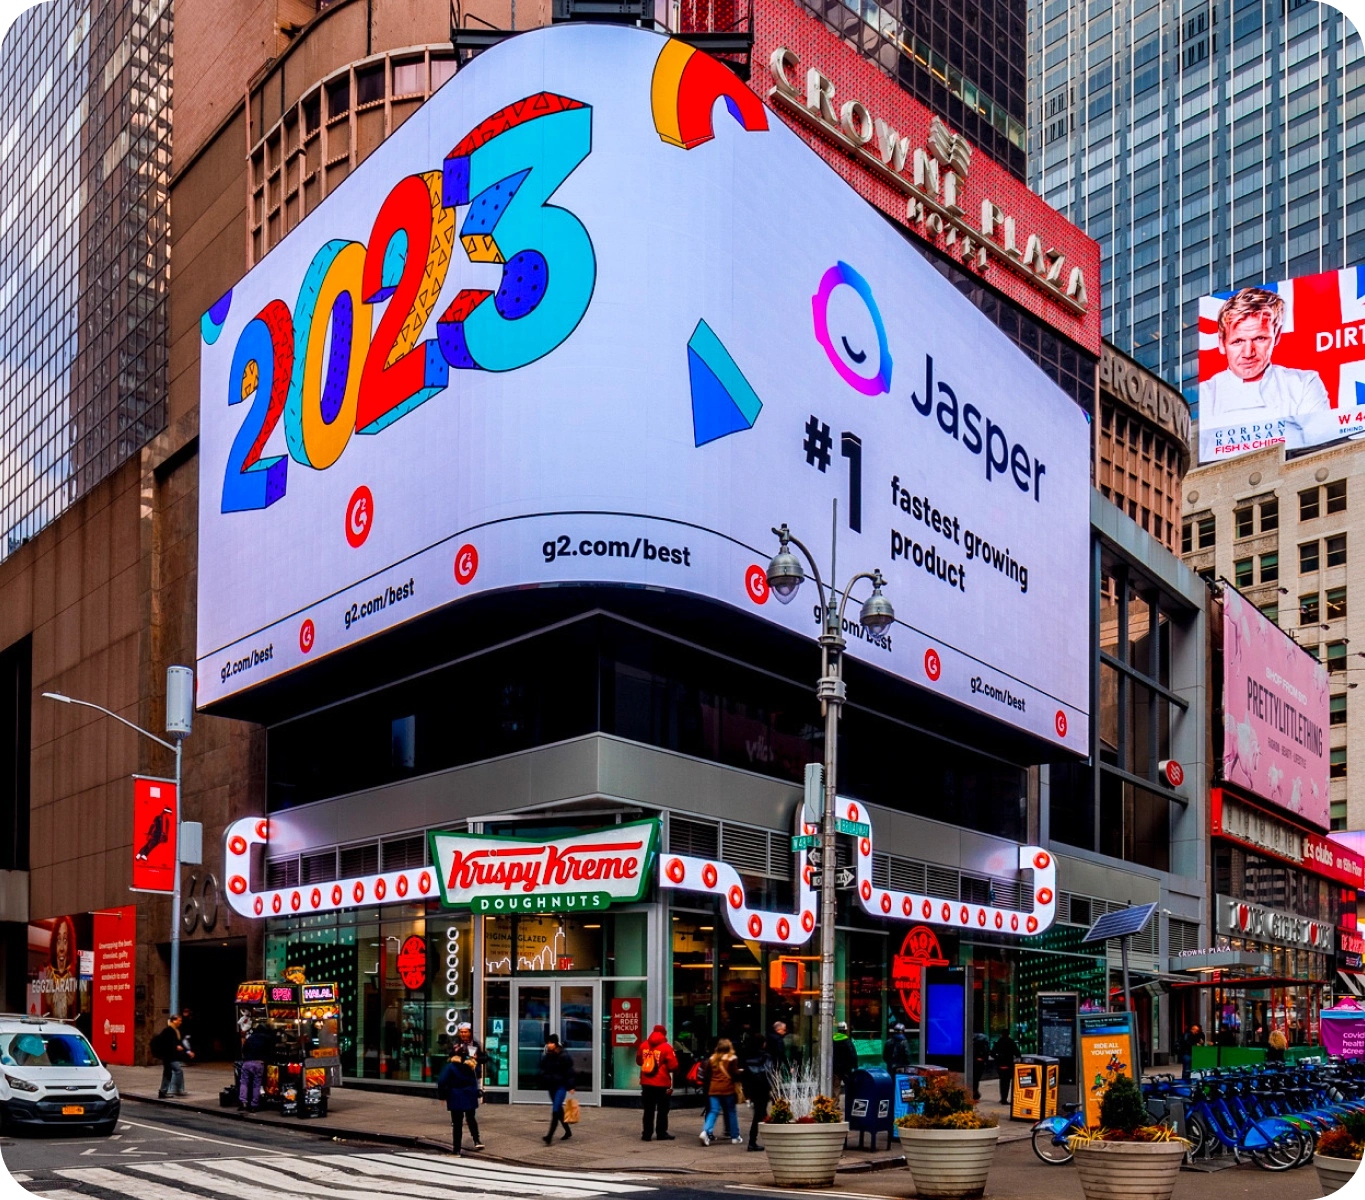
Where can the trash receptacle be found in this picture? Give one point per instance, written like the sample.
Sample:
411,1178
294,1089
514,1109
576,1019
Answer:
1035,1088
868,1104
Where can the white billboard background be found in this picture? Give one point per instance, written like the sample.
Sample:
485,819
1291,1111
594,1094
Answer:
528,476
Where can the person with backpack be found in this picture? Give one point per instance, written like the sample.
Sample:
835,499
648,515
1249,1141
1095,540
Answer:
845,1058
256,1052
657,1061
558,1076
757,1084
1006,1054
719,1076
896,1052
458,1086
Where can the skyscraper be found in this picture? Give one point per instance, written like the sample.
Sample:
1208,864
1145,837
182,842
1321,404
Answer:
85,246
1203,144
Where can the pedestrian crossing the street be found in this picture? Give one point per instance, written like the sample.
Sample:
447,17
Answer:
337,1177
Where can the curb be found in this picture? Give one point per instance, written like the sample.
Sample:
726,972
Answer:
416,1142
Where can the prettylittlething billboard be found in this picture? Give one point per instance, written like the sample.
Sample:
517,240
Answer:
1275,713
594,315
1282,364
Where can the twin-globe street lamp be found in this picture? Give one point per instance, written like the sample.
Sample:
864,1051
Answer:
785,575
179,720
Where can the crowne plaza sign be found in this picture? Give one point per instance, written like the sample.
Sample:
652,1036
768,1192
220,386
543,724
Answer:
582,872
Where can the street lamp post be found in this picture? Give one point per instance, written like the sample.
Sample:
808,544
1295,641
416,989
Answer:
785,575
179,710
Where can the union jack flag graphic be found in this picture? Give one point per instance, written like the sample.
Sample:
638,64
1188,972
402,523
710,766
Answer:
1324,331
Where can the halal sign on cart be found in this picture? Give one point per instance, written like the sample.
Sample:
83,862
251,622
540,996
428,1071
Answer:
585,872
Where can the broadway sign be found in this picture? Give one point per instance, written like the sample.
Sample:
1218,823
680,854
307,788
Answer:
586,872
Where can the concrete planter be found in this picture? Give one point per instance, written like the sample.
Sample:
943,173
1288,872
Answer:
804,1155
949,1162
1334,1173
1129,1170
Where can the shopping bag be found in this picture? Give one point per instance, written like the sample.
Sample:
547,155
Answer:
570,1110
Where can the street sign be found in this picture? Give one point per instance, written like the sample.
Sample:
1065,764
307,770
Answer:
853,828
807,841
844,879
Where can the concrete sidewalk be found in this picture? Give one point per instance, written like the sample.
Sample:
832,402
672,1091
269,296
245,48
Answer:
607,1139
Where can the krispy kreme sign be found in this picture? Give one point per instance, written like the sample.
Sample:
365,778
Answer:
586,872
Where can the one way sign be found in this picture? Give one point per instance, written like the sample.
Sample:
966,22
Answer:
844,878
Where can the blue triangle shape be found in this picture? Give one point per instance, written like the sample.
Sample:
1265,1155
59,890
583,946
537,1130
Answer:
714,411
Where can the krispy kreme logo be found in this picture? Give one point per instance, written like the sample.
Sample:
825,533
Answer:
596,867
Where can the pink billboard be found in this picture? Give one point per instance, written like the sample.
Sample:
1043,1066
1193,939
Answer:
1274,714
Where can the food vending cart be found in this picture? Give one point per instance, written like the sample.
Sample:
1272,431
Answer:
305,1065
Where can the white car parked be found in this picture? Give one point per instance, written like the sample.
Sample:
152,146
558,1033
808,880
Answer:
50,1075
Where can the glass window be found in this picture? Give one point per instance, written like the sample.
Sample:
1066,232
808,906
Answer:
369,84
1336,657
1308,503
1310,610
339,97
1242,573
1207,532
1270,567
409,78
312,112
1270,515
1271,612
1336,496
1338,709
442,68
1187,538
1243,522
1336,550
1336,603
1308,557
1339,762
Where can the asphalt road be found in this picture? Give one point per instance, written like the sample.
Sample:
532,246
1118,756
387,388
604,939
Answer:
163,1154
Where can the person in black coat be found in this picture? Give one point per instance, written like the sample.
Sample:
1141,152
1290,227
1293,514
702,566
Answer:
777,1046
557,1074
757,1083
1006,1053
458,1086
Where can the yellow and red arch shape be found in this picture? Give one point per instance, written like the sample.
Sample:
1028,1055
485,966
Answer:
687,84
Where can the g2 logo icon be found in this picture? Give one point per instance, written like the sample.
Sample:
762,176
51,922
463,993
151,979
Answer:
1061,723
857,322
756,584
933,665
466,564
306,635
359,516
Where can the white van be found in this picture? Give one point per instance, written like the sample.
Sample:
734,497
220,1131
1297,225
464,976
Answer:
50,1075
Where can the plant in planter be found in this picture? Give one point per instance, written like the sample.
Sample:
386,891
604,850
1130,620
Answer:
1339,1152
1128,1155
949,1146
804,1134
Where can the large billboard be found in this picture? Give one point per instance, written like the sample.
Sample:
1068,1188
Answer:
1282,364
1274,714
594,315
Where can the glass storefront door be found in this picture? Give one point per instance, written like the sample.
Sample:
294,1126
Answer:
573,1009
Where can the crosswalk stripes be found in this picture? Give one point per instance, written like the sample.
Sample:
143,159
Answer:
413,1176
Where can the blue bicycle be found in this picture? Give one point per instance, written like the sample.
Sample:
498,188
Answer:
1051,1133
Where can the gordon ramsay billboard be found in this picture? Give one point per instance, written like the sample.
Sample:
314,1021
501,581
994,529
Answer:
593,314
1275,704
1282,364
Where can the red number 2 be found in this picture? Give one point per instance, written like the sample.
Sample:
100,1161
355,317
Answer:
406,260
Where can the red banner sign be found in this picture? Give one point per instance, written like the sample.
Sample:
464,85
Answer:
154,830
1334,860
115,942
412,963
627,1018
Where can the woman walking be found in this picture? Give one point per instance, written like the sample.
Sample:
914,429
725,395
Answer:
719,1077
557,1074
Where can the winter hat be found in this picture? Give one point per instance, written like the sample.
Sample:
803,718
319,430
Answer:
660,1029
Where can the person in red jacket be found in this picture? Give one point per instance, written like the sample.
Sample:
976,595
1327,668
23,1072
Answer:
657,1061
